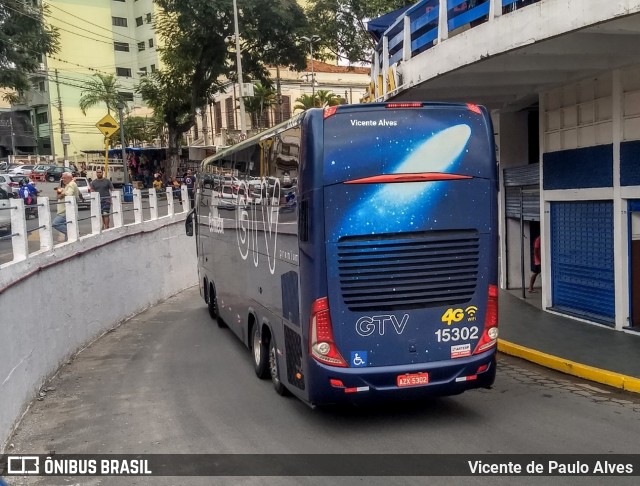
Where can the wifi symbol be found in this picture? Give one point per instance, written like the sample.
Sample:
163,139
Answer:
471,311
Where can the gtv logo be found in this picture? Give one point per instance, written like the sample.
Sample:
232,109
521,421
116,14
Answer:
367,325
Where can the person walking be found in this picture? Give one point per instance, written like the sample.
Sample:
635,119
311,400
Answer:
536,267
70,189
103,187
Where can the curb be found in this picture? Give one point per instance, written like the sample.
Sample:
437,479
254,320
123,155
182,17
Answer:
617,380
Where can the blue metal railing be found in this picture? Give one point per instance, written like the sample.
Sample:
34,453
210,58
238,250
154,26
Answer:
425,24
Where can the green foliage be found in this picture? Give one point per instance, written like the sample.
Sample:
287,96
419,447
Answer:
138,129
321,99
103,88
24,37
341,24
197,55
263,97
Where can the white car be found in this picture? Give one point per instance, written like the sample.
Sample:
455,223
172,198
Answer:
21,169
85,189
5,210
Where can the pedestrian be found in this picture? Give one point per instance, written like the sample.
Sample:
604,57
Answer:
70,189
536,267
157,182
190,181
103,187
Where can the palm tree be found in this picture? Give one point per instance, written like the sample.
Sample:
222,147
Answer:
103,88
263,98
326,98
322,99
304,102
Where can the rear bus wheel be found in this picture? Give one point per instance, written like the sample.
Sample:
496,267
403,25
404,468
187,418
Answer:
212,305
260,353
273,369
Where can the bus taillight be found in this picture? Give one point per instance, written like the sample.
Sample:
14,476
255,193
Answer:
323,347
490,334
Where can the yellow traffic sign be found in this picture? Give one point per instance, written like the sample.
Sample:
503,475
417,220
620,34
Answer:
108,126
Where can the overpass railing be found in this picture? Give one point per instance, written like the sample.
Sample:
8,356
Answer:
19,234
421,27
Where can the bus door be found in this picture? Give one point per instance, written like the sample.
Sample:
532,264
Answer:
409,214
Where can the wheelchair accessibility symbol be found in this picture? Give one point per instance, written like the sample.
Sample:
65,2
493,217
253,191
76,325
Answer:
358,358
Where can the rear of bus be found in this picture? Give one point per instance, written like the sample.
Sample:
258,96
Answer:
403,302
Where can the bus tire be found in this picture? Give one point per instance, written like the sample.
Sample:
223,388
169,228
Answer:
273,370
260,352
212,305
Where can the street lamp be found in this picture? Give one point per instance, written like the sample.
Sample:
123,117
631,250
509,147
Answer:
311,40
243,128
120,107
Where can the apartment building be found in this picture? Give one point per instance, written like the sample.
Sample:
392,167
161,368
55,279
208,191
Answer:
101,36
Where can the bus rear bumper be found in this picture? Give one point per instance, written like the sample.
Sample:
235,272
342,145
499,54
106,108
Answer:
360,385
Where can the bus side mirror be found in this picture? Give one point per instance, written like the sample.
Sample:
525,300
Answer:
188,223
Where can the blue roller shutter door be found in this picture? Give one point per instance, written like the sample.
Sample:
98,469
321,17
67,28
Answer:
582,259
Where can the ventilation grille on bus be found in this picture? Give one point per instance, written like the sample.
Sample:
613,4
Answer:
293,351
394,272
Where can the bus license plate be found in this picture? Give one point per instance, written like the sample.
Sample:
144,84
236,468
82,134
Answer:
413,379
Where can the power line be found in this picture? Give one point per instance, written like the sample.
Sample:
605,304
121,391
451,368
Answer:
91,23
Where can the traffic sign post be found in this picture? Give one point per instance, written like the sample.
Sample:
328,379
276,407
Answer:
108,126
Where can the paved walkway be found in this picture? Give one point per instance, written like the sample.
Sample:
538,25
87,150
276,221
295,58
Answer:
580,349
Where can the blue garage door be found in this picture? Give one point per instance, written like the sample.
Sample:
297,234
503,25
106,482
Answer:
582,259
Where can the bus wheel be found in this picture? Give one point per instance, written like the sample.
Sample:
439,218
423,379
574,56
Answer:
212,305
273,369
260,353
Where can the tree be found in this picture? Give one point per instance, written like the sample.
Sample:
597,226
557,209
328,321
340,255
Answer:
24,39
138,129
196,55
321,99
103,88
263,98
341,25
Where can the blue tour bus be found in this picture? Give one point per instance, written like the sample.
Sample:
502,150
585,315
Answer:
353,250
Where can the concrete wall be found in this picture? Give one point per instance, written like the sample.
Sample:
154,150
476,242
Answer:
56,302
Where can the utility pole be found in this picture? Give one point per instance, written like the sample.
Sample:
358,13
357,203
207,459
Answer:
13,139
63,139
243,128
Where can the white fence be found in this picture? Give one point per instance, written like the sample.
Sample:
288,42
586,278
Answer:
55,301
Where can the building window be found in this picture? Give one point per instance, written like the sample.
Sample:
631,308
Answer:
153,68
119,21
140,46
121,46
148,18
138,21
41,87
143,71
125,95
228,106
119,1
124,72
217,116
150,43
42,118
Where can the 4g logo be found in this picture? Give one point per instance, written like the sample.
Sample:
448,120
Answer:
456,315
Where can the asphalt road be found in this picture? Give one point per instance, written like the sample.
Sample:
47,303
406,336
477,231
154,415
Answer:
171,381
48,189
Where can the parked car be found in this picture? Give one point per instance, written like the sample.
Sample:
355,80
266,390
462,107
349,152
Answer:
85,191
5,211
53,174
21,169
39,171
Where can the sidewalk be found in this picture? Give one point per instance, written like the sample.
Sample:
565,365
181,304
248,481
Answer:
577,348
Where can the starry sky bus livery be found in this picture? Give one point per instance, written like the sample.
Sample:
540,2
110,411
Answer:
353,250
